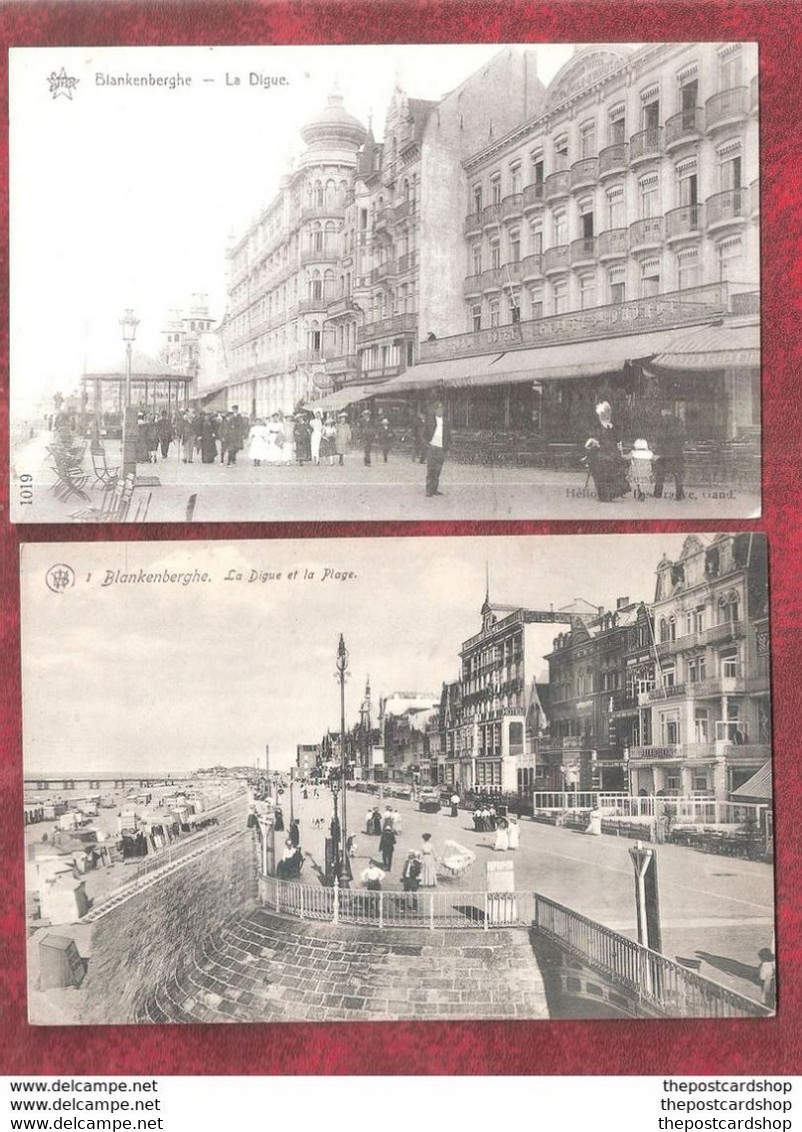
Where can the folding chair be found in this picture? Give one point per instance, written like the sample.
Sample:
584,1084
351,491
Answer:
103,473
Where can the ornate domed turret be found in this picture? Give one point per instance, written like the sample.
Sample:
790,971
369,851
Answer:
335,127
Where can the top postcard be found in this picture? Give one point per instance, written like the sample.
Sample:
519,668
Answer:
437,282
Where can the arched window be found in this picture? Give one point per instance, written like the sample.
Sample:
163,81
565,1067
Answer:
672,628
319,194
331,193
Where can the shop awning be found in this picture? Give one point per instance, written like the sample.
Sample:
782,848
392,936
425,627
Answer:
541,363
758,788
731,346
343,397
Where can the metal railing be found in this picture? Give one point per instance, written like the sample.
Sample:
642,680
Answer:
688,123
647,143
726,206
533,195
656,982
613,158
556,258
613,242
431,909
686,220
647,232
584,172
726,106
558,184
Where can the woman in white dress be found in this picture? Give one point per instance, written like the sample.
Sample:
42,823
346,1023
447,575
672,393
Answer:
275,439
288,449
258,446
502,842
514,833
316,425
428,857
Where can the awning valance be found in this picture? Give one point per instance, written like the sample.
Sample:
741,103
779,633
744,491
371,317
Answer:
731,346
541,363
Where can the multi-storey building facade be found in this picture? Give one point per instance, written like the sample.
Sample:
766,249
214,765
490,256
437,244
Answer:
707,725
283,272
587,680
625,209
491,723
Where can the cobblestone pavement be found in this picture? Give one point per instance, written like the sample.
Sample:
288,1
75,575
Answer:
391,491
719,909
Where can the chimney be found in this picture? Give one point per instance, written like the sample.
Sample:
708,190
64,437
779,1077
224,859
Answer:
622,603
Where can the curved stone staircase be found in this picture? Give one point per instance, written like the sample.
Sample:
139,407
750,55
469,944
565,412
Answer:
262,967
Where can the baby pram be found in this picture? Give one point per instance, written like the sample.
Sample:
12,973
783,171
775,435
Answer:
640,476
456,862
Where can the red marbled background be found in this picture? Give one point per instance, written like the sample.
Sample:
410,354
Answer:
502,1048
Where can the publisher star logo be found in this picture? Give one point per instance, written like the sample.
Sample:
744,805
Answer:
60,578
62,83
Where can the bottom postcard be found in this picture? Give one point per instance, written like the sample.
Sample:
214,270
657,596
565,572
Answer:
398,778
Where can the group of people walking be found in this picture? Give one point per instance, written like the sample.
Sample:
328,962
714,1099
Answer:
304,437
645,468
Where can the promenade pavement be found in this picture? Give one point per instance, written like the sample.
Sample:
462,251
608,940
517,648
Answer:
391,491
717,909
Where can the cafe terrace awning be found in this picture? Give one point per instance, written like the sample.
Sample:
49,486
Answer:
732,346
757,788
541,363
343,397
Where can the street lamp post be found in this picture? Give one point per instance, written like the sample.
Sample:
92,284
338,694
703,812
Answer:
128,323
342,670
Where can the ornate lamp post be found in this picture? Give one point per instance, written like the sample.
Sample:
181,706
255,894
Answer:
128,324
342,672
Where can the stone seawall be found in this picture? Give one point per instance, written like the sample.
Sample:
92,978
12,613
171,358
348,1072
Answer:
262,967
137,947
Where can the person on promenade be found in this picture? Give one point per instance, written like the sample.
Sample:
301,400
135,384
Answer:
604,457
342,437
438,442
316,429
208,439
428,863
397,823
372,878
669,449
387,846
410,876
367,434
419,445
165,433
502,842
258,449
295,833
385,438
232,431
514,833
302,434
376,822
454,804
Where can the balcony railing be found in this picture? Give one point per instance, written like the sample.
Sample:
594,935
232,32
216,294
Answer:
472,225
490,216
613,243
322,212
613,159
383,271
345,363
532,267
319,255
685,126
307,306
667,692
304,357
647,233
492,279
396,324
556,259
717,686
557,185
342,305
754,197
647,143
723,208
533,195
584,172
685,221
404,209
727,106
583,250
512,205
676,751
407,262
472,285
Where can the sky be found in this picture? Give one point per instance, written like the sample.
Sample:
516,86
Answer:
127,196
168,676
